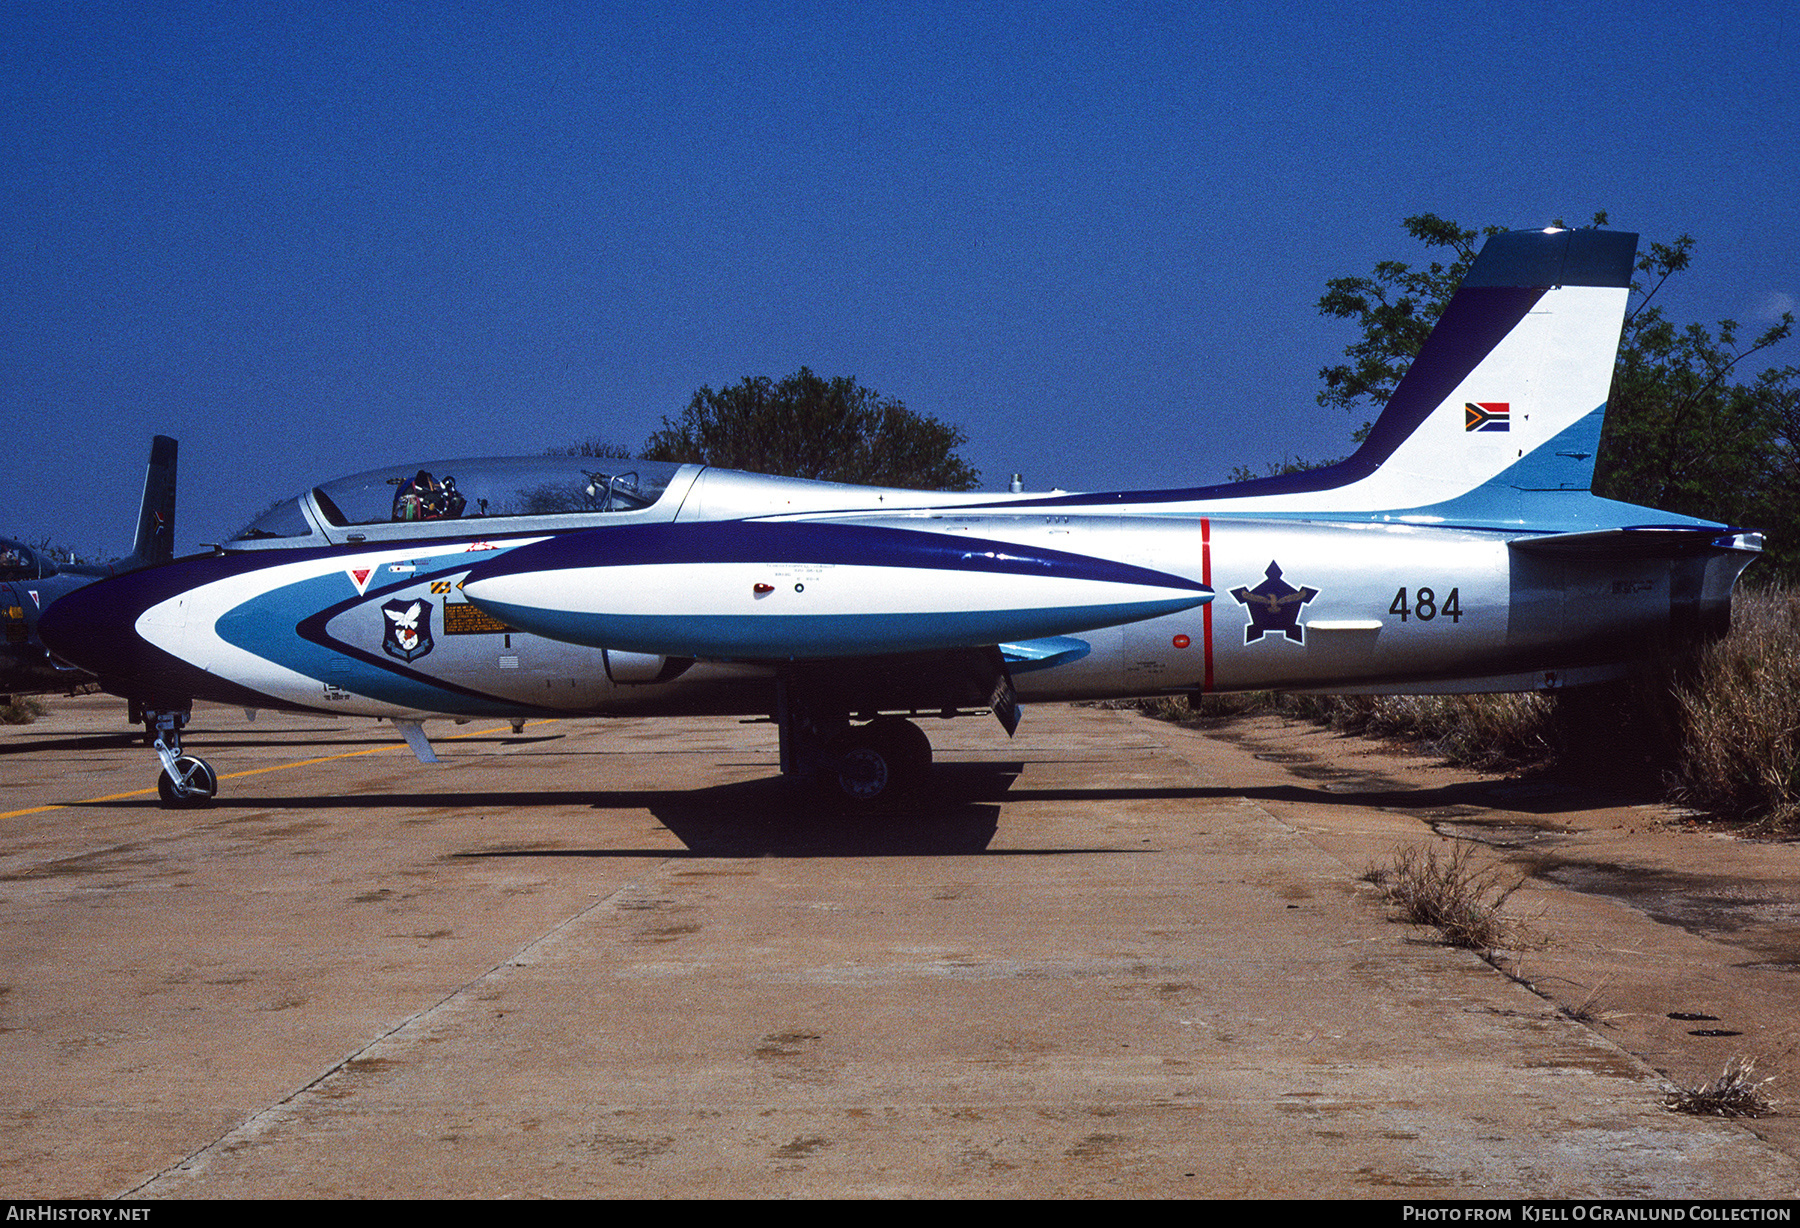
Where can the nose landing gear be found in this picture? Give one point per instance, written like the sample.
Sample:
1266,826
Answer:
186,782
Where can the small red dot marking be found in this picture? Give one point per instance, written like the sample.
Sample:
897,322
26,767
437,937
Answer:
1182,641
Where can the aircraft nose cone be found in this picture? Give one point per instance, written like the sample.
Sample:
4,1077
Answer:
94,628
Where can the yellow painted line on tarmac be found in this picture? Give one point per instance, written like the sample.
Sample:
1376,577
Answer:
279,767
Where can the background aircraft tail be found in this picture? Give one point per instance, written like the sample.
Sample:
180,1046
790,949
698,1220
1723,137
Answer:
155,540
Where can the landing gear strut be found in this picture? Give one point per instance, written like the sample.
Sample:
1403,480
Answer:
186,782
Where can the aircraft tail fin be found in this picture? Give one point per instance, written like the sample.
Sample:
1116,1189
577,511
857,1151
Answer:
1512,383
155,540
1505,399
1508,392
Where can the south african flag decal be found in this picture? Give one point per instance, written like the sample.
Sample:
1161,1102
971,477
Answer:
1486,415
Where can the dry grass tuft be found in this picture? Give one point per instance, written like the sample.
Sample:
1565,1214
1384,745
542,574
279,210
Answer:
1453,893
1166,708
20,710
1588,1009
1741,749
1478,731
1735,1093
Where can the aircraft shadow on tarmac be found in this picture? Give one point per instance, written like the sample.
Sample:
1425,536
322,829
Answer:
1544,794
83,741
957,814
1460,799
773,816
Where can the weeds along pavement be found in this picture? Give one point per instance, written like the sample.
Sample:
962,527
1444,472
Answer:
1676,939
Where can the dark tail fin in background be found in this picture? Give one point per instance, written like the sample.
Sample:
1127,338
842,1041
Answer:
155,541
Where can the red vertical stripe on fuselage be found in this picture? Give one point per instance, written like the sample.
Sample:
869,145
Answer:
1206,610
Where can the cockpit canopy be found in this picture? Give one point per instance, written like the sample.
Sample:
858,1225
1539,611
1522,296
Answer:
20,562
531,495
449,493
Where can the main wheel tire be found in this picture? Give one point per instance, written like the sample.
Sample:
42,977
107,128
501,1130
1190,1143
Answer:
200,784
912,745
864,769
875,764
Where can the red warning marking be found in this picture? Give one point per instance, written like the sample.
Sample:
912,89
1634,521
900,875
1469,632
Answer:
1182,641
1206,610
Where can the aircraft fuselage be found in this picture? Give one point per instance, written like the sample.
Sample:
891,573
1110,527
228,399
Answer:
1293,605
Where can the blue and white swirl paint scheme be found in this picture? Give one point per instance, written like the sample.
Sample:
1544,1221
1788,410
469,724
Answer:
1459,549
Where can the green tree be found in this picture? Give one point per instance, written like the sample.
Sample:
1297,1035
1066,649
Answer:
806,427
1685,430
596,446
1396,307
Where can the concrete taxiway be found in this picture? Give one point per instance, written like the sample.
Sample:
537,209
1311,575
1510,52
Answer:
615,958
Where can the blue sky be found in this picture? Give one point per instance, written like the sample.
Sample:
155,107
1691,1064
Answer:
315,241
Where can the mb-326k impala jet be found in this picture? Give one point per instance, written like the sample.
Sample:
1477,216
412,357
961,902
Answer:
1458,550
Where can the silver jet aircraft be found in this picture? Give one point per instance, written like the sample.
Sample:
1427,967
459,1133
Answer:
1458,550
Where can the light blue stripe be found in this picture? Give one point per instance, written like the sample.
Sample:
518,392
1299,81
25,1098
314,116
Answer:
775,637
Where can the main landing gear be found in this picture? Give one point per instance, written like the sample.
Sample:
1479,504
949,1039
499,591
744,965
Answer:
833,732
186,782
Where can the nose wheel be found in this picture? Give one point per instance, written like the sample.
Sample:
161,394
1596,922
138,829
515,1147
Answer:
189,784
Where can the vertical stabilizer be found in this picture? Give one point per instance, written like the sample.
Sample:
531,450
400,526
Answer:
1508,390
1523,354
155,540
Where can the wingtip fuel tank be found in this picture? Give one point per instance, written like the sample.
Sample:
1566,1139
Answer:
806,591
